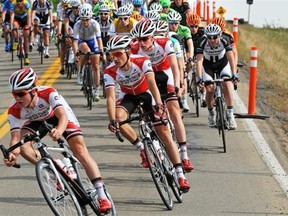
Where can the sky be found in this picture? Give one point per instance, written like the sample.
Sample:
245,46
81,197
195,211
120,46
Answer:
262,12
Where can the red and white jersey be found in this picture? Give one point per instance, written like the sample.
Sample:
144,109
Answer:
48,101
158,56
133,81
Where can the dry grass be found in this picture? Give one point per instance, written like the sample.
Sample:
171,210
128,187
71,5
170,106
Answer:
272,45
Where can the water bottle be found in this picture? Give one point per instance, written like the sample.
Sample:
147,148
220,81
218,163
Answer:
71,56
69,168
61,164
158,149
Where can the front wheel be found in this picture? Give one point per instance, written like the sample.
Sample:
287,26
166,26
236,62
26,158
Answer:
220,121
157,173
60,198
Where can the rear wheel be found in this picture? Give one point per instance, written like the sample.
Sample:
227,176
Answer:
89,83
158,174
60,198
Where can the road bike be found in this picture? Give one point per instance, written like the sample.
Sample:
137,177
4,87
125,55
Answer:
20,46
160,166
221,109
88,81
70,66
64,194
40,36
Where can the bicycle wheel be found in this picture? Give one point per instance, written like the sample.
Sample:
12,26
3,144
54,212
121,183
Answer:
157,174
220,121
41,51
86,184
20,52
11,45
194,93
89,86
62,201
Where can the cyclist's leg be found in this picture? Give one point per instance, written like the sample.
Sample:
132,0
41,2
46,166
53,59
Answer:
46,37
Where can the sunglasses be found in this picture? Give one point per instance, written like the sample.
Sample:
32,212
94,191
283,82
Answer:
117,54
137,6
144,39
193,26
165,7
75,7
85,20
123,18
173,23
20,94
212,37
103,14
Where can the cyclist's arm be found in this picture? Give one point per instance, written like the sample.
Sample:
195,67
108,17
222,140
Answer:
57,132
66,26
231,59
190,47
110,102
50,12
150,77
29,17
199,65
32,16
12,15
15,137
174,66
235,53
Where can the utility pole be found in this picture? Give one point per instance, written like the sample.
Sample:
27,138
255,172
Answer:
249,2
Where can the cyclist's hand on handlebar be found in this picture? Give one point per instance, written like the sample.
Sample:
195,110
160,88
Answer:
200,82
160,113
114,126
55,134
11,160
235,79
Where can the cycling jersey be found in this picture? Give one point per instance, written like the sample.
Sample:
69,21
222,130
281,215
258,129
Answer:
196,37
184,32
117,28
133,81
183,9
229,36
22,10
6,7
92,31
48,101
73,18
104,29
42,12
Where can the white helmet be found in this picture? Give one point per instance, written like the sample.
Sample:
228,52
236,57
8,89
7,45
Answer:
144,28
75,3
124,11
162,26
23,79
153,15
104,8
129,6
212,29
86,11
156,7
119,42
174,16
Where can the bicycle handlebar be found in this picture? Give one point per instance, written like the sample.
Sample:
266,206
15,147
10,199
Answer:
27,137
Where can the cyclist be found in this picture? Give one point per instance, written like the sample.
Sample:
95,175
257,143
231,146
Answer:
139,7
42,14
20,16
35,104
87,38
193,20
152,15
124,23
220,21
184,33
182,7
6,24
214,55
167,76
135,76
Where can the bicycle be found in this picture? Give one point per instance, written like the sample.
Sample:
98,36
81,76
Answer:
20,47
70,66
221,112
160,166
40,44
63,194
88,81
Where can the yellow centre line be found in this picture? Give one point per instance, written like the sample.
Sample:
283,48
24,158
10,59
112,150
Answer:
48,78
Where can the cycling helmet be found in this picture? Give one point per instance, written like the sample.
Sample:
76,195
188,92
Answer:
144,28
193,19
137,16
220,21
133,33
156,7
23,79
174,16
212,29
119,42
153,15
124,11
75,3
162,26
129,6
165,3
65,2
137,2
85,11
104,8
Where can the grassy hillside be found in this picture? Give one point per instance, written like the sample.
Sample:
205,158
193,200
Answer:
272,86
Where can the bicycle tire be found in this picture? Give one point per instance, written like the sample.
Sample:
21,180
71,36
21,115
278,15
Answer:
86,184
195,93
11,45
20,52
170,173
41,52
61,201
89,86
158,174
220,121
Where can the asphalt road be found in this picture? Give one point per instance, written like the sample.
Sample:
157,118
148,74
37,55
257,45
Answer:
238,182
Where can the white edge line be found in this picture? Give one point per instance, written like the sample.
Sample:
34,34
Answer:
263,148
